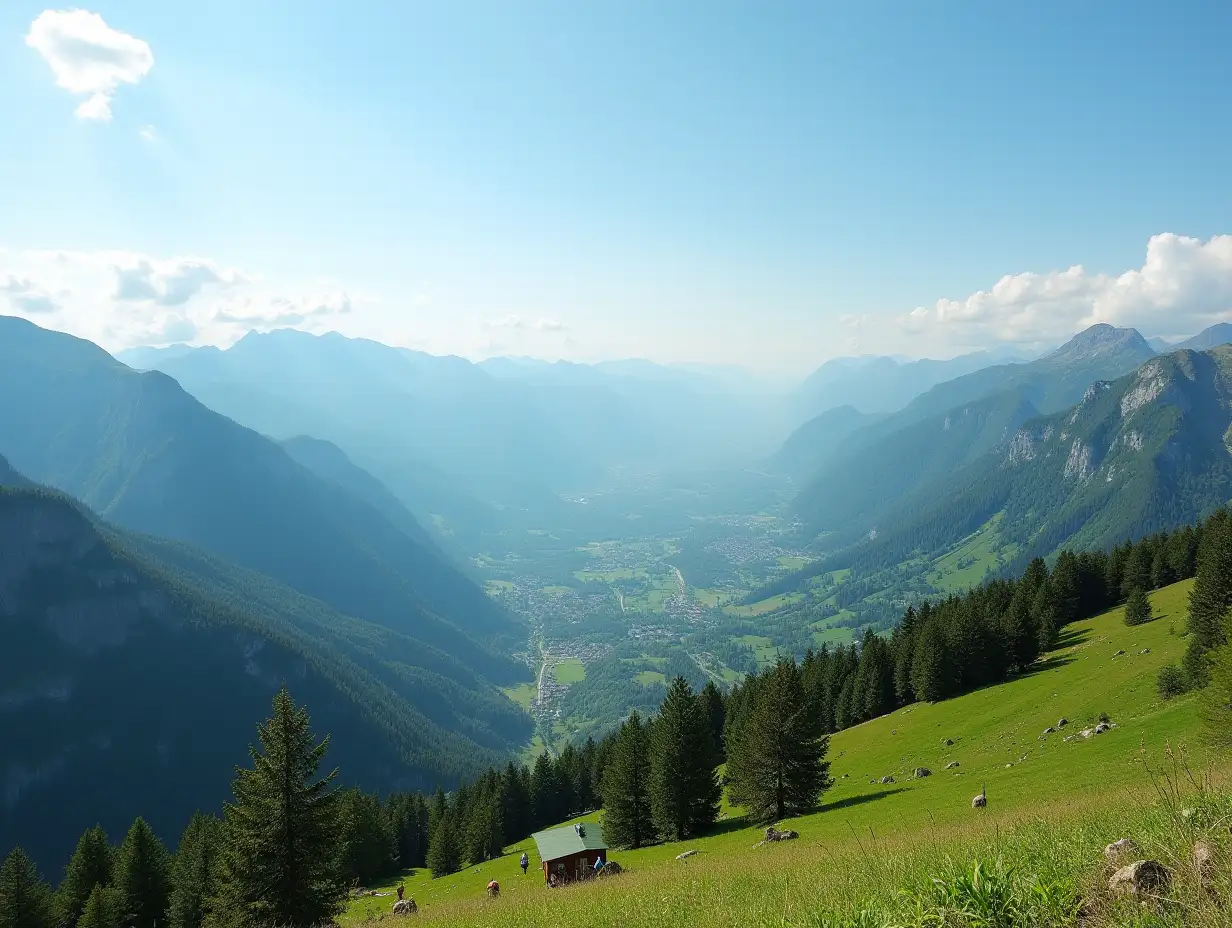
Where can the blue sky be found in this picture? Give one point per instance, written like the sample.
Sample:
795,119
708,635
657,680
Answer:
766,184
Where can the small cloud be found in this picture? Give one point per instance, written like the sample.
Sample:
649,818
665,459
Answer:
89,57
518,323
169,283
149,133
25,297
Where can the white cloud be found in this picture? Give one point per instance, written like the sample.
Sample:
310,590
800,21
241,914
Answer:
89,57
518,323
123,299
1183,286
149,133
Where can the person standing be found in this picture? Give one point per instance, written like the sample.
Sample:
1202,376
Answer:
525,862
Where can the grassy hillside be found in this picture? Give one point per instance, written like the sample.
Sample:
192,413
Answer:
862,821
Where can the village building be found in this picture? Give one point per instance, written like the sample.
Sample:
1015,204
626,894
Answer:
570,853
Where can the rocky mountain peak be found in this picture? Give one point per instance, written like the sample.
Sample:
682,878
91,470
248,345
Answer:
1102,339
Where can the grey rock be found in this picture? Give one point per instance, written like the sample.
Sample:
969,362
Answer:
1121,848
1142,878
1102,727
951,765
887,779
922,772
405,907
1061,723
980,801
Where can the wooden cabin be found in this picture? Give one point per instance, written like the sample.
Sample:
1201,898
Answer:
570,853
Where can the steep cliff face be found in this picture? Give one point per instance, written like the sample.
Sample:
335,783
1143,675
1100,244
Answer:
124,691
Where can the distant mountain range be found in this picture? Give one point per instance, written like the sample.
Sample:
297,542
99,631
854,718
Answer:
505,433
262,561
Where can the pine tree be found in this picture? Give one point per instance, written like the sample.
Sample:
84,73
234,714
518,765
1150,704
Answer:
684,787
1137,609
515,805
102,909
194,872
1217,698
627,818
279,864
1044,617
444,848
904,650
710,702
1137,574
776,763
545,793
928,664
25,900
89,866
141,877
1211,596
367,840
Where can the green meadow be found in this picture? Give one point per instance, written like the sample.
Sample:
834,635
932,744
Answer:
1054,800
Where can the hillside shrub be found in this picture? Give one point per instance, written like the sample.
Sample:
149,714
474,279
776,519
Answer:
1171,682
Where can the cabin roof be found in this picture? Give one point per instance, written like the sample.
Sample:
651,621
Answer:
572,839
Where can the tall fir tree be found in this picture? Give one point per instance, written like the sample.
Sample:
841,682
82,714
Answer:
194,872
545,793
25,900
367,838
710,702
102,909
90,866
1137,608
1217,697
684,785
1211,597
141,877
280,861
776,764
627,820
444,848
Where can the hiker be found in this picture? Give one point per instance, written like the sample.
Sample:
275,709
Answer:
525,862
494,889
401,890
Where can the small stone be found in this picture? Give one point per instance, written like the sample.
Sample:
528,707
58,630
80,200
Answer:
922,772
947,742
1122,848
1102,727
1141,878
887,779
1061,723
1204,863
686,855
979,802
1007,766
951,765
1049,731
1145,651
1118,654
1088,732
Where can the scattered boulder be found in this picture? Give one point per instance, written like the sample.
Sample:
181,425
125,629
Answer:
611,868
1204,863
1061,723
947,742
1122,848
405,907
1142,878
980,801
887,780
686,855
1088,732
1102,727
922,772
952,764
1049,731
773,835
1118,654
1007,766
1145,651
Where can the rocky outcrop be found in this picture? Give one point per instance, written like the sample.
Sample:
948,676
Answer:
405,907
1080,464
1148,387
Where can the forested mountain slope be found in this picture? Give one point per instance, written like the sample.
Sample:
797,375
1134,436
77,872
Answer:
1207,339
816,442
1141,454
144,454
850,493
131,670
